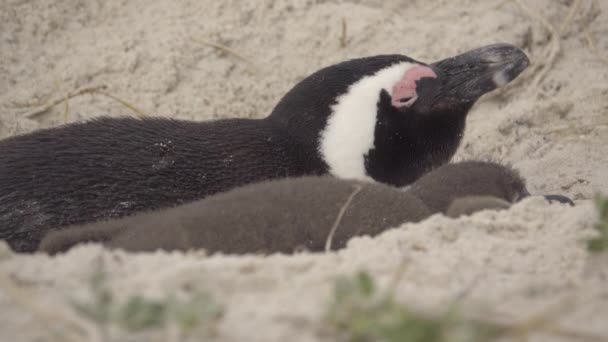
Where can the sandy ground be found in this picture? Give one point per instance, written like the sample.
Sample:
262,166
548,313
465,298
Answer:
153,54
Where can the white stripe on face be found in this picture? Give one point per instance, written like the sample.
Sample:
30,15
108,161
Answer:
349,133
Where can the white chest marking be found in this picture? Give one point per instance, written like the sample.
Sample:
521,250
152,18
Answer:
349,133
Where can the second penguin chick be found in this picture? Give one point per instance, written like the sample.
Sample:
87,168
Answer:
438,188
288,214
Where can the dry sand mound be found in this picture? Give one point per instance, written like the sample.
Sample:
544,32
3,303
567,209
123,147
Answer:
155,54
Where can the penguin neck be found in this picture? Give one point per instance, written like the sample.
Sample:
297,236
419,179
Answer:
444,134
405,151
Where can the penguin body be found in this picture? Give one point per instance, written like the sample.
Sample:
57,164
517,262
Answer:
109,168
288,214
384,118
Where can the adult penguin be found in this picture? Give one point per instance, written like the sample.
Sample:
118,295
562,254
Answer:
388,118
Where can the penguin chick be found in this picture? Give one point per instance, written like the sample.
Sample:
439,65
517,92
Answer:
440,187
386,118
283,215
266,217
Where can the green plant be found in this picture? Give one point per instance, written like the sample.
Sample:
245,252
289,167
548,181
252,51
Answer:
358,313
99,310
600,243
138,313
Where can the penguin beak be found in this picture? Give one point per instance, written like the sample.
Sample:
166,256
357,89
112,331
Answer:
466,77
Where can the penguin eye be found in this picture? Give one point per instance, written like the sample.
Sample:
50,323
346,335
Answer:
399,102
405,101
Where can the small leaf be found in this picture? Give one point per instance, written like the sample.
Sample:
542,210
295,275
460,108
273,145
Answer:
597,245
202,307
600,243
139,313
365,283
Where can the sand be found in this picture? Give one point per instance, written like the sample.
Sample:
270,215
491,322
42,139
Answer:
152,54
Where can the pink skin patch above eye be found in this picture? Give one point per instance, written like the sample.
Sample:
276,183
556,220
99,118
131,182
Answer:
404,91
